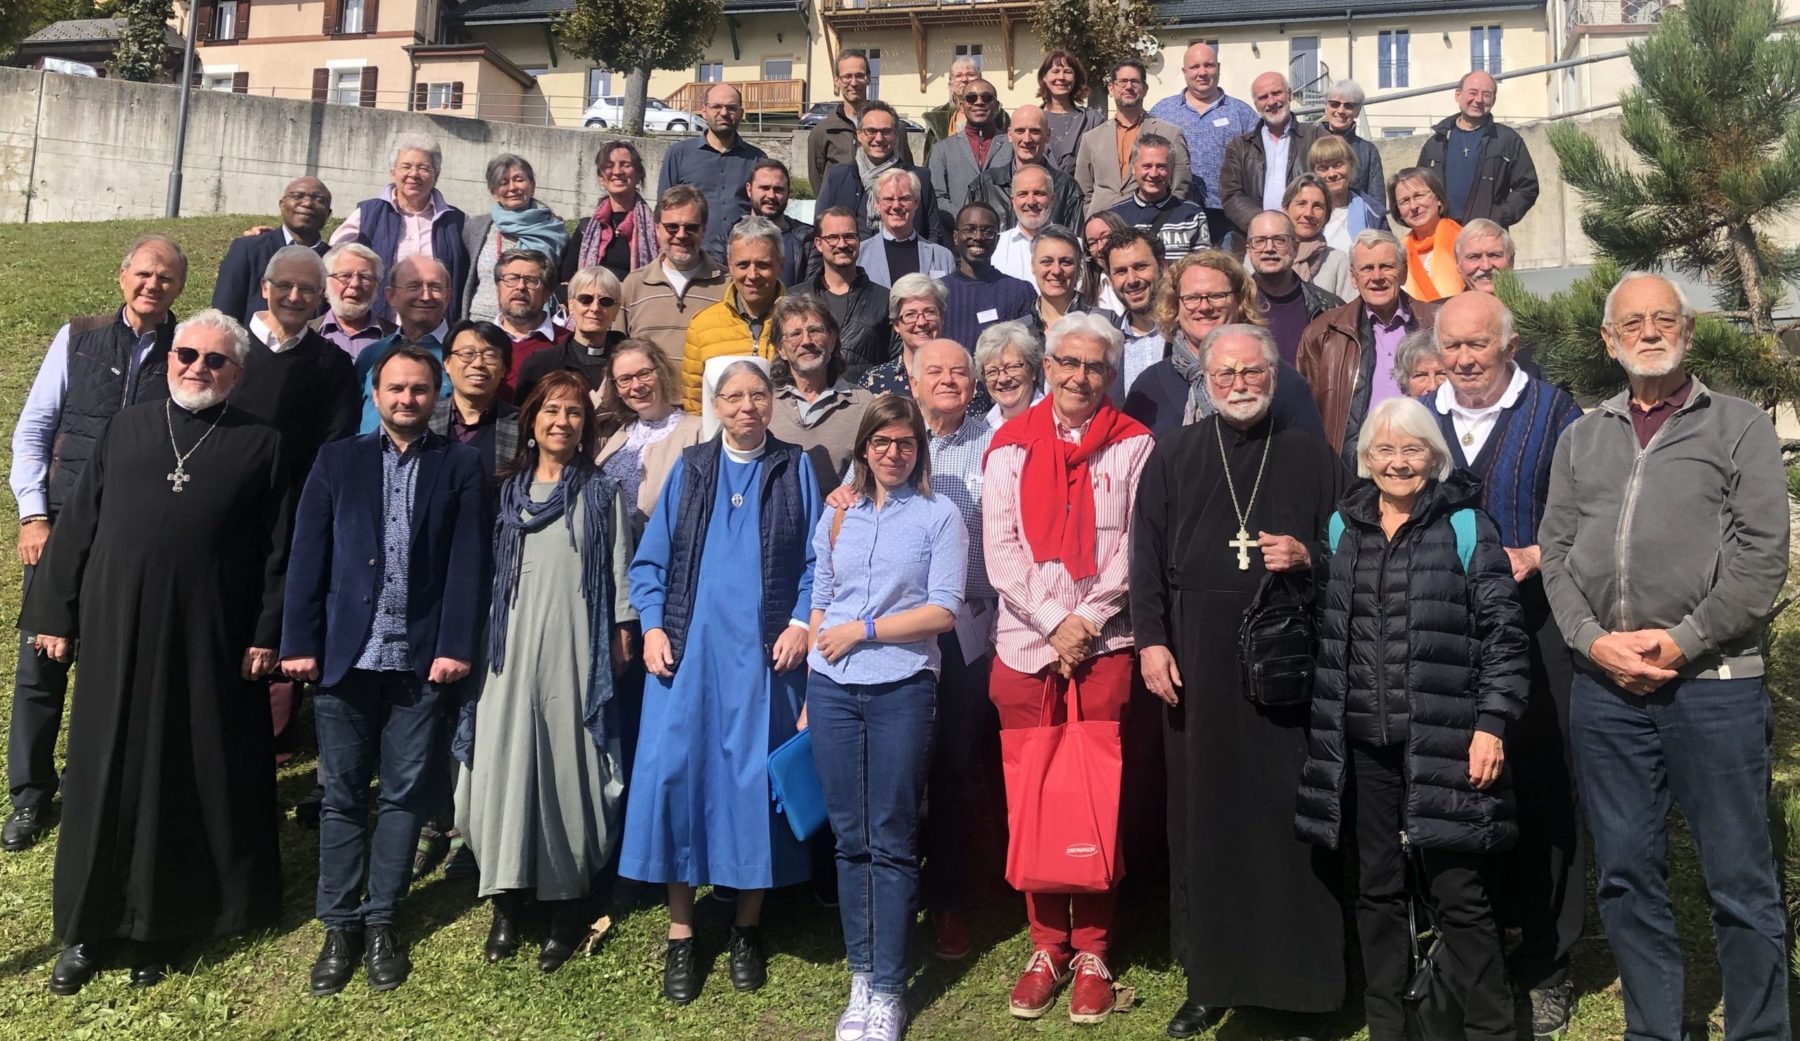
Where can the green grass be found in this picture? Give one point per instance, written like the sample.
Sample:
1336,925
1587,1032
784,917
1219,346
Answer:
255,986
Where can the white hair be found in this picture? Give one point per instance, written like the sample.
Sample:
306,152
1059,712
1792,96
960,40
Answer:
1482,228
1088,324
1271,354
356,249
218,321
1506,324
912,180
296,254
916,286
413,142
1369,238
597,277
1347,90
1406,417
1414,346
996,338
1687,309
751,229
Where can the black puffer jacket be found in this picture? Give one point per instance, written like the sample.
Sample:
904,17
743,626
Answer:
1416,652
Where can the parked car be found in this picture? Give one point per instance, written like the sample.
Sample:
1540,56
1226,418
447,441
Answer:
658,116
818,112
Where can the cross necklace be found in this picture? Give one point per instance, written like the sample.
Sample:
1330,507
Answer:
1243,543
179,476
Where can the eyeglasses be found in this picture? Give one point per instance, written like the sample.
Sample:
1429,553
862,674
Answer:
315,197
214,360
515,279
590,299
853,77
470,355
876,131
881,444
977,98
1349,105
349,278
672,229
978,231
1410,453
914,316
1667,322
1265,241
1011,369
812,332
736,398
1225,379
284,288
724,108
842,238
1070,366
1193,300
632,379
414,168
1139,84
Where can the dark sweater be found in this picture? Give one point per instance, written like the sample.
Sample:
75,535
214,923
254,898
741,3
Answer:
308,392
973,304
1160,394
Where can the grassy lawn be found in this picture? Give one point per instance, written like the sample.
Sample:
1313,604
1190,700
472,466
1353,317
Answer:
255,986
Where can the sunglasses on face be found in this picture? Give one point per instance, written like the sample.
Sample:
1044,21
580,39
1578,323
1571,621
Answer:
588,299
973,98
674,229
214,360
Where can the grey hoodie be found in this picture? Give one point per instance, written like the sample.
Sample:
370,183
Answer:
1689,534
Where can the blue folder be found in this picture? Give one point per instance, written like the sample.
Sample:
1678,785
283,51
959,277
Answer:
794,782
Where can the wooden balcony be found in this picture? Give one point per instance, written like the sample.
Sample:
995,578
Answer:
761,97
920,17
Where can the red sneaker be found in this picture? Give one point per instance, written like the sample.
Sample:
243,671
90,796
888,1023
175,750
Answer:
1091,998
950,939
1044,975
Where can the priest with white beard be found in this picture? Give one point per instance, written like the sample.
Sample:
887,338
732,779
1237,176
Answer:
164,575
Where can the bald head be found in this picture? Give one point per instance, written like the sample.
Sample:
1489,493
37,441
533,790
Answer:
1200,68
419,292
1029,132
1475,98
305,207
1475,335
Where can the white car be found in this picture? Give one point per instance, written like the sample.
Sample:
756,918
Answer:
658,116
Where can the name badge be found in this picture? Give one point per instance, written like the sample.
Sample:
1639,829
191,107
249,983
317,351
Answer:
989,315
1222,121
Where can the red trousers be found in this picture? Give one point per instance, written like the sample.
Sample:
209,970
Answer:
1082,921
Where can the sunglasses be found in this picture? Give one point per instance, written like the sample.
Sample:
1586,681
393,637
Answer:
677,229
214,360
973,98
587,300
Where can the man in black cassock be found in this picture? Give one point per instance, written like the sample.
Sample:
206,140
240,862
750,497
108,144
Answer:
165,568
1255,919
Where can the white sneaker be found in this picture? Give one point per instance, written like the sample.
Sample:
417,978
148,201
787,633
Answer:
853,1024
887,1019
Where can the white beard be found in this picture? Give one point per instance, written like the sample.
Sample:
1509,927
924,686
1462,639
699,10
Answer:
348,312
197,401
1662,368
1247,413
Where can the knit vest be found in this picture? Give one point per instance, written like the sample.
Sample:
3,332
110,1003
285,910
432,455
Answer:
784,529
98,387
379,229
1514,463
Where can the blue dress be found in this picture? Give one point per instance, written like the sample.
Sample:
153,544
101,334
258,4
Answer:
698,807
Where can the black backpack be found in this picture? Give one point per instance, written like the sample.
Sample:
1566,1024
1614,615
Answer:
1277,642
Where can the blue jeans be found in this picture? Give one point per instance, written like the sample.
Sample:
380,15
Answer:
1702,745
872,748
391,722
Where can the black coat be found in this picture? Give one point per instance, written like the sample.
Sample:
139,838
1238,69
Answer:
1506,184
1449,659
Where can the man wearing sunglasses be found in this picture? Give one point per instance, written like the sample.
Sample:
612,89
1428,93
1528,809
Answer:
972,164
96,365
718,162
662,297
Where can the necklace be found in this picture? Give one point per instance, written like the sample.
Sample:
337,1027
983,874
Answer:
179,476
1243,543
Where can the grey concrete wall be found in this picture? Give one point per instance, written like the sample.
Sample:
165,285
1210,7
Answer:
78,149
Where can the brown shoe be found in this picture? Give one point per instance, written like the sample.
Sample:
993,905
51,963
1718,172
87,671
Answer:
950,935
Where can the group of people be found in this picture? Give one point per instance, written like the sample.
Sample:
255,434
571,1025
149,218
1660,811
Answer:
567,531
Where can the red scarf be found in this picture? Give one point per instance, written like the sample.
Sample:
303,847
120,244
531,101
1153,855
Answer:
1056,495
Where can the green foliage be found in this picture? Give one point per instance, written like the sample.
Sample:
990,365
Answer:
143,52
21,18
1099,32
637,37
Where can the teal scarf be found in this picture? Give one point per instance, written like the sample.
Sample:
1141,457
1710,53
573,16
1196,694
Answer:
533,227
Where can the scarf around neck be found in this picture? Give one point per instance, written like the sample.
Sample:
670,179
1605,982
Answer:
1187,364
1056,492
637,228
533,227
1440,278
868,171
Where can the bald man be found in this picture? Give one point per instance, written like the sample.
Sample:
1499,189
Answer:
718,162
1029,135
305,206
1210,120
1486,167
1259,164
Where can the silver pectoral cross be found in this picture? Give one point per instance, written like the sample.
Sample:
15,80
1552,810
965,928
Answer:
1243,544
178,477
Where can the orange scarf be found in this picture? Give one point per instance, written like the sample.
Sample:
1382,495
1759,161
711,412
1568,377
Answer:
1442,278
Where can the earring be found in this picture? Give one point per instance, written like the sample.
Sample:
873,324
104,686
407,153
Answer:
531,442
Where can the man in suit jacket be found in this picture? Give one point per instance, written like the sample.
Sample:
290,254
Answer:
879,138
1103,159
899,248
966,166
1245,185
305,207
383,611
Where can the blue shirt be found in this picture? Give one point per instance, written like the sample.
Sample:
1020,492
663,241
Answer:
956,462
720,176
910,553
386,649
365,370
1208,134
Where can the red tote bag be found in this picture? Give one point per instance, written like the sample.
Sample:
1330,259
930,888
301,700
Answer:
1062,800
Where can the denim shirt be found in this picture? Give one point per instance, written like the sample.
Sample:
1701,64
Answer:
910,553
386,649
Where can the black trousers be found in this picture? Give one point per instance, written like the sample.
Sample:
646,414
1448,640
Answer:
40,688
964,767
1453,882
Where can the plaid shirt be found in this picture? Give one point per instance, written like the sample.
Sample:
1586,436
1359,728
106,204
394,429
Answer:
386,650
1206,138
956,475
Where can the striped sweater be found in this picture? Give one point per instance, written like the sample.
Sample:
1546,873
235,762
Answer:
1514,463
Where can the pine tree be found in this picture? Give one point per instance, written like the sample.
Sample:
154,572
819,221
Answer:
1716,135
1099,32
637,37
143,51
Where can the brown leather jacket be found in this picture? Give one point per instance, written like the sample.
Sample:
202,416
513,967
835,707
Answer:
1241,174
1330,358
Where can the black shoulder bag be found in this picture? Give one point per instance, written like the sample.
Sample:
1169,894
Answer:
1430,1001
1277,642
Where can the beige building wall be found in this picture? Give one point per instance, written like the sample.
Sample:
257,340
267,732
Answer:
285,46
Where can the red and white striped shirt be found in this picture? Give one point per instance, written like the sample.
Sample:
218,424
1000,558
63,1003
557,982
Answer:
1036,597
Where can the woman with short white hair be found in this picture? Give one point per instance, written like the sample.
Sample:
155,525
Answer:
410,218
1421,667
1010,359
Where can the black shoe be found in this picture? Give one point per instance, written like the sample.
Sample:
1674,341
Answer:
749,969
1191,1019
386,962
22,829
460,863
568,927
306,811
1550,1008
681,971
74,968
433,845
148,975
336,961
503,935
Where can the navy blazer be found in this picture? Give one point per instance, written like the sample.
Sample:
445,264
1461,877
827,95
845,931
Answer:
843,187
238,292
334,568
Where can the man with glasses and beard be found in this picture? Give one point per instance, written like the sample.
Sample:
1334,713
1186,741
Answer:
857,304
660,298
354,280
815,406
522,280
166,571
1223,502
718,162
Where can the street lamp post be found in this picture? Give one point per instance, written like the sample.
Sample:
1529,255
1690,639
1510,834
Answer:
173,208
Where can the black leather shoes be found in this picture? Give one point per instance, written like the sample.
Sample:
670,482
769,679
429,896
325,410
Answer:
148,975
1191,1019
568,927
386,962
22,829
749,969
681,971
503,935
336,961
75,967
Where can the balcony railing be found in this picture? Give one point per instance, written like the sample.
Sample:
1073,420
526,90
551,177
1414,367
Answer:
761,97
835,6
1614,13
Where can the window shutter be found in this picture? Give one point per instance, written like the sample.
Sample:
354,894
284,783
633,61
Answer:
204,13
240,81
421,97
333,11
371,15
368,86
456,94
243,20
321,84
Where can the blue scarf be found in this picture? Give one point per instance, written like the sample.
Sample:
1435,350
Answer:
533,227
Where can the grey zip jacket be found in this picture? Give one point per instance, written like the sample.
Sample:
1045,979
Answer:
1689,534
